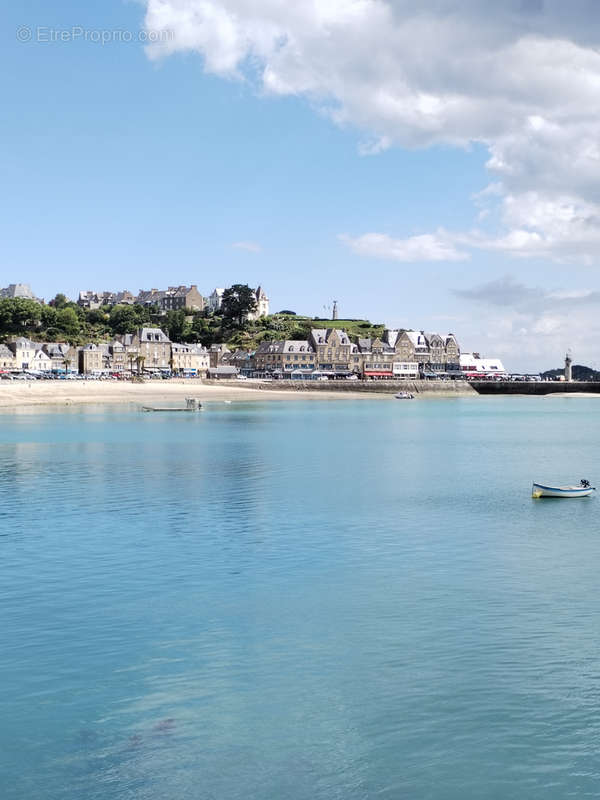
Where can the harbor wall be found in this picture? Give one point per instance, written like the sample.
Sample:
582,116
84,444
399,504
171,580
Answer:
433,388
535,388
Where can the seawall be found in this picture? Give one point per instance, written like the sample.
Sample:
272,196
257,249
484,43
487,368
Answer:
535,388
431,388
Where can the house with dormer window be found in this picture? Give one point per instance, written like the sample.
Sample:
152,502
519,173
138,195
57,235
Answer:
333,349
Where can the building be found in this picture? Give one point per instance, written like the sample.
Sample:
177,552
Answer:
285,359
95,300
59,353
242,359
7,359
189,359
177,298
262,305
473,366
117,358
334,351
153,347
436,356
41,361
22,290
24,352
217,353
125,298
377,358
215,300
150,297
90,359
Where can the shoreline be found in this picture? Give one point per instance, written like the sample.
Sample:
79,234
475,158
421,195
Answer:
32,394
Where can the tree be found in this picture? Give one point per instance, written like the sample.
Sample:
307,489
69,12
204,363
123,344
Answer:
25,313
97,316
124,319
60,301
238,301
140,363
176,325
68,322
48,317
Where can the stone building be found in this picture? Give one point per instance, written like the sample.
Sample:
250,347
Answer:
7,358
333,349
177,298
94,300
24,351
90,359
286,359
436,355
217,352
377,358
189,359
22,290
154,347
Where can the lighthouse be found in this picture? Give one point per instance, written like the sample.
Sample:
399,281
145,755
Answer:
568,371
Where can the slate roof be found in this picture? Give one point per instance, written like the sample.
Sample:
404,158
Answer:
322,335
153,335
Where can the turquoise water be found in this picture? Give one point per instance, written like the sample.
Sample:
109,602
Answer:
300,600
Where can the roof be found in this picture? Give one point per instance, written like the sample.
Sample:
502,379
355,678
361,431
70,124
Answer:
153,335
391,336
223,370
5,352
323,335
285,346
473,362
56,349
417,338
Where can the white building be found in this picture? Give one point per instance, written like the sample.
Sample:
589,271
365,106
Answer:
473,366
262,304
215,299
41,361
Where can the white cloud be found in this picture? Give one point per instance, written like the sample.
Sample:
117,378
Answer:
426,247
521,77
250,247
531,327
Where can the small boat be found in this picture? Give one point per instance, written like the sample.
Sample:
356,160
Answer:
404,396
190,405
583,490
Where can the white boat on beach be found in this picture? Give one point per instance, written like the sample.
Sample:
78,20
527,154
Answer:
583,490
404,396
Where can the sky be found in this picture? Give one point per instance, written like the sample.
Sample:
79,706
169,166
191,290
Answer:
431,165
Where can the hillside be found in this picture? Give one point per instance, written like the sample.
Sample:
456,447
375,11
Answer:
63,320
580,373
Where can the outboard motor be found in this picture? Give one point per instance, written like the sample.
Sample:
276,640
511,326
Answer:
585,484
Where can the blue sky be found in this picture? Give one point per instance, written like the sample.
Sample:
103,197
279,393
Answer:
122,169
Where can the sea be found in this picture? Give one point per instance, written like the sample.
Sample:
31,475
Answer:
300,600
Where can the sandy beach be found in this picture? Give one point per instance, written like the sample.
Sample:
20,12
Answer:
16,394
